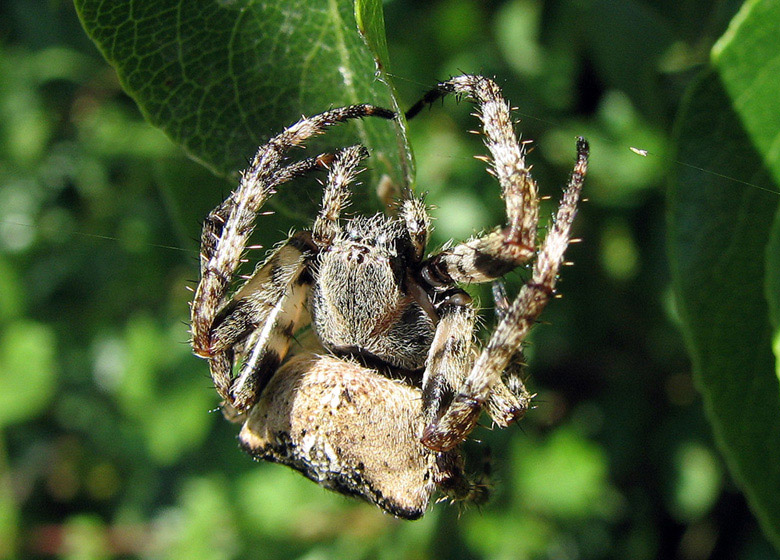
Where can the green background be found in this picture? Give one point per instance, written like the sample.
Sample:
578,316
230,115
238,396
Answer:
109,443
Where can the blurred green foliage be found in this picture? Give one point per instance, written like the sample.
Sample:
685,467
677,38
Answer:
108,448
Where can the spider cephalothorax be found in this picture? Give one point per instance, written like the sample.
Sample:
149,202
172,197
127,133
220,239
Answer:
378,400
377,315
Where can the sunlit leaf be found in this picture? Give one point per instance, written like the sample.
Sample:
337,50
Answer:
221,77
747,60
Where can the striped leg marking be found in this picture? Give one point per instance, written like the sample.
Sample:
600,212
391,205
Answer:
228,227
261,317
223,240
450,357
512,329
493,254
342,170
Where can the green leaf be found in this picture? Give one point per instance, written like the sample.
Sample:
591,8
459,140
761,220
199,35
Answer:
718,234
221,77
747,59
371,25
725,250
773,287
773,281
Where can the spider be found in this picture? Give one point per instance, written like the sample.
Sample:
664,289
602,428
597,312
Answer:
377,397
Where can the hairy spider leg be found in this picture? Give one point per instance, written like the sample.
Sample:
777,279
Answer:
418,224
235,319
259,315
452,356
253,302
461,416
286,310
223,245
509,400
342,171
451,478
271,305
492,254
214,224
228,227
269,308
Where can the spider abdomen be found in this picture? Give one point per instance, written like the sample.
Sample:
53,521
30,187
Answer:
350,429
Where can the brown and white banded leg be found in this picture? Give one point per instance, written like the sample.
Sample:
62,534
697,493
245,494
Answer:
418,224
509,400
224,334
493,254
450,358
214,224
462,414
271,305
261,317
342,170
228,227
